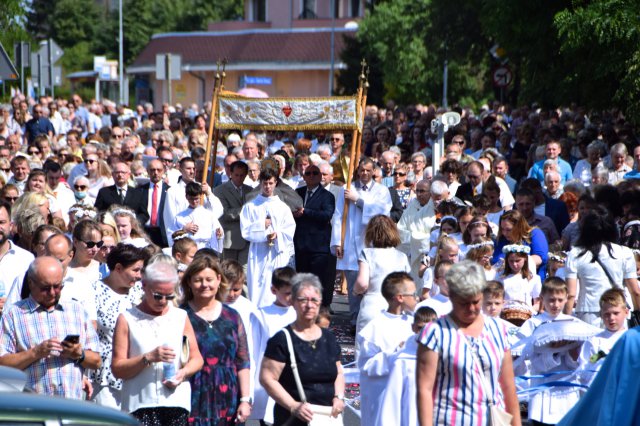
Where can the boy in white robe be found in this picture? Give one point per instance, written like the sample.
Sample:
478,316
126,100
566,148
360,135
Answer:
267,223
365,199
613,311
399,398
200,223
268,321
381,338
550,405
440,302
234,273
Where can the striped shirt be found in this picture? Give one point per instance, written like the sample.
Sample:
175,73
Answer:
458,392
27,324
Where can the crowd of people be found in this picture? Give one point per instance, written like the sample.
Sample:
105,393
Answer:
505,272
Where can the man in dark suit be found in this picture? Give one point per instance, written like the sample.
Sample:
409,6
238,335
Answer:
313,232
154,227
232,195
123,194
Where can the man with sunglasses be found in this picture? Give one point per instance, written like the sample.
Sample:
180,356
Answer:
313,232
388,164
51,341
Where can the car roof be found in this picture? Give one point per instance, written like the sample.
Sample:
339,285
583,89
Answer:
12,379
23,406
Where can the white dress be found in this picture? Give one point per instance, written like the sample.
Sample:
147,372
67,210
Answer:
263,259
381,262
207,223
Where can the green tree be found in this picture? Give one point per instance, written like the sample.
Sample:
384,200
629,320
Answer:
602,39
197,14
38,18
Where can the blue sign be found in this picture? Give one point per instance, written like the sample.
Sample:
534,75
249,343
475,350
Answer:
257,81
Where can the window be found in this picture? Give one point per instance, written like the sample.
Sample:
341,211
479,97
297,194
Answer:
308,9
259,10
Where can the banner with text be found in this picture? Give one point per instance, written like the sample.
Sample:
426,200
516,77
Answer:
340,113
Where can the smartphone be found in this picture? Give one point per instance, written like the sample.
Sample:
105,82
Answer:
72,338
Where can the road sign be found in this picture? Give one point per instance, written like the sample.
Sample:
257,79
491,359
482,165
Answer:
56,51
46,76
7,69
502,76
169,61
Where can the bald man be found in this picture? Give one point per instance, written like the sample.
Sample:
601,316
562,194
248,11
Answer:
50,340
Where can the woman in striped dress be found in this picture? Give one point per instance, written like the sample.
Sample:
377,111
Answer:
464,363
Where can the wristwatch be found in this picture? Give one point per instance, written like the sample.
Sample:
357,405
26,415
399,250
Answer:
145,360
80,360
247,399
340,397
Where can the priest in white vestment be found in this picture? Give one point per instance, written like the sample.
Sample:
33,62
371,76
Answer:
415,227
366,199
267,223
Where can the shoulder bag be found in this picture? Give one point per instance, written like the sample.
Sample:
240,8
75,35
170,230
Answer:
634,319
321,413
497,416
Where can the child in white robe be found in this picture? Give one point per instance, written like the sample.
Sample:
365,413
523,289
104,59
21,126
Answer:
440,303
268,321
399,398
201,223
381,338
234,273
550,405
613,311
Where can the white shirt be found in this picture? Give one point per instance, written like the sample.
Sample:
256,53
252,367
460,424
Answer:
80,289
150,200
13,266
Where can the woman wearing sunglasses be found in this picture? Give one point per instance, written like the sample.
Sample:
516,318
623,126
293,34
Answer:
402,185
148,354
87,240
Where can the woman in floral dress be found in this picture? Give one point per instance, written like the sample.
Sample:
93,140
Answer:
220,391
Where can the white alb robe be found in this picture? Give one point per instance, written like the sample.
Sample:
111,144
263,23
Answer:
399,398
176,201
378,341
375,200
415,232
263,259
207,222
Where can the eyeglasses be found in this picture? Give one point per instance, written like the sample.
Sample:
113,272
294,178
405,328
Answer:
7,170
33,152
106,248
399,174
335,139
167,160
89,161
12,199
47,289
313,173
308,300
92,244
80,187
415,295
458,141
158,297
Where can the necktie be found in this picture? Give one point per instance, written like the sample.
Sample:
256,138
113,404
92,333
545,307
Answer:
364,187
121,191
154,206
309,195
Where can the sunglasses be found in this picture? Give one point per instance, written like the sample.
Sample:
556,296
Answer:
335,139
92,244
459,142
399,174
12,199
89,161
313,173
6,170
166,160
33,152
158,297
48,288
80,187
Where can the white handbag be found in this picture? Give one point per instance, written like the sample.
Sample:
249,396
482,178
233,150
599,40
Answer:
321,413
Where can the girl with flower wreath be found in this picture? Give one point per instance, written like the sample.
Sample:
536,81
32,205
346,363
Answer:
520,284
481,251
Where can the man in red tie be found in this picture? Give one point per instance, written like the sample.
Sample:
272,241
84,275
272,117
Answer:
155,192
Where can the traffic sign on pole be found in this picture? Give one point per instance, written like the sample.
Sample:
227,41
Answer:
502,76
7,69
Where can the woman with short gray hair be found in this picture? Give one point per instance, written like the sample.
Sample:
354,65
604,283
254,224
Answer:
317,355
467,353
584,169
618,161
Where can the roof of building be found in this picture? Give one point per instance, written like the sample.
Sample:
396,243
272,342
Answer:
257,49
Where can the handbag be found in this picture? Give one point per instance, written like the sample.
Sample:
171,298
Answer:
497,416
634,319
321,413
